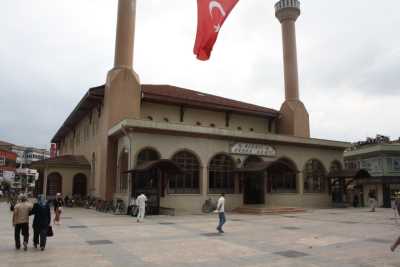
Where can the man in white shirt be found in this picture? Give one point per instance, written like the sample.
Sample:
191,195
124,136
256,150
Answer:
221,212
141,203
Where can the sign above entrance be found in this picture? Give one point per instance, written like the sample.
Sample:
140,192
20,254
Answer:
253,149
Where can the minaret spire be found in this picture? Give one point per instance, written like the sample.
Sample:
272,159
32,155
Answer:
294,117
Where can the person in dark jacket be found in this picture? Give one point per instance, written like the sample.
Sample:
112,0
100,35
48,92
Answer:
41,221
58,208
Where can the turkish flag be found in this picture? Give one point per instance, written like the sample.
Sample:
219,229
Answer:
211,15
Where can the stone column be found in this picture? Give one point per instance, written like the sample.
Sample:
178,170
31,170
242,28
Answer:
122,96
287,11
294,118
300,181
125,34
45,173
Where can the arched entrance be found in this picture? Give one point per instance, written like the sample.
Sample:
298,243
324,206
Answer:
54,184
147,182
253,183
79,187
150,176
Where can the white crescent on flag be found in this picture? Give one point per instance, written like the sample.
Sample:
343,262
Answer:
211,6
216,4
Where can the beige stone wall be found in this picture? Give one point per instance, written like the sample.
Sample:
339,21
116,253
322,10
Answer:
68,176
160,112
193,203
308,200
205,149
259,125
88,133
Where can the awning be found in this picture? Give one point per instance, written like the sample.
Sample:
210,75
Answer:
349,173
166,165
261,166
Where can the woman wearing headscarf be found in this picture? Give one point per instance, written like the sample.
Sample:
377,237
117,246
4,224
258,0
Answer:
41,221
58,206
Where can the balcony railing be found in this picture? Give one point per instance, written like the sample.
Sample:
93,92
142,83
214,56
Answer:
287,4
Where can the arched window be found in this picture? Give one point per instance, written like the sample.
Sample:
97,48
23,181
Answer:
122,169
189,181
314,177
54,184
221,178
145,180
147,154
282,177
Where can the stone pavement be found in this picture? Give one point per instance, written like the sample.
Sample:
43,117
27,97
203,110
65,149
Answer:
332,237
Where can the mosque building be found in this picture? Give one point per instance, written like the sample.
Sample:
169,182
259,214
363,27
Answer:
181,147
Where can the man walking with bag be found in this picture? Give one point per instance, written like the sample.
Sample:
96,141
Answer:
221,213
21,221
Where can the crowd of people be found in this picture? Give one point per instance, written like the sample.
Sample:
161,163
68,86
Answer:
40,210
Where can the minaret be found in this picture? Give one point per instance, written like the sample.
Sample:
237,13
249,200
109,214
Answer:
294,116
122,95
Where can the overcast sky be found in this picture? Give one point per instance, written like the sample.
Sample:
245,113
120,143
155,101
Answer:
51,52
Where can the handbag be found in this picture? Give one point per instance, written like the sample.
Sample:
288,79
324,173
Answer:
50,232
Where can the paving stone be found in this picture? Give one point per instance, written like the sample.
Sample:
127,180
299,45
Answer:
378,240
349,222
212,234
291,228
99,242
90,238
77,226
291,253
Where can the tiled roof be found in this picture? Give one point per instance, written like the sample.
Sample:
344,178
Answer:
64,160
182,96
164,94
3,143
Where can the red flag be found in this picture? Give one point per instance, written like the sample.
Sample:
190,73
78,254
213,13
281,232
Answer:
211,15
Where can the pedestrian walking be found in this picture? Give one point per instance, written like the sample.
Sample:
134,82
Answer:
41,222
141,203
221,212
58,208
372,200
397,203
21,221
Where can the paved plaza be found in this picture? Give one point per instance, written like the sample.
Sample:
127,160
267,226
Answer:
331,237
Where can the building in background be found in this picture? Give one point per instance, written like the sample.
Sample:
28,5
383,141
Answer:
7,165
21,176
25,155
182,147
381,158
